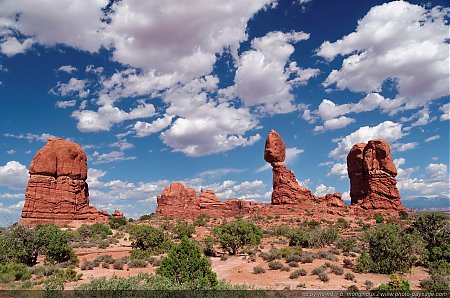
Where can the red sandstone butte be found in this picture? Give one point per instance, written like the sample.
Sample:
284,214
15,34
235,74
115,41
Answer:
286,189
57,191
181,201
117,213
372,176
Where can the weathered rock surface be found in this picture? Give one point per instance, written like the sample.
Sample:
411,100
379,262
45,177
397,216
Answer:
334,199
286,189
372,176
117,213
57,190
181,201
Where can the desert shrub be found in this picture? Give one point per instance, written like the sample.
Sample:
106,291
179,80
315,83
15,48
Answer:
18,245
116,222
88,265
368,284
54,244
17,270
285,268
337,270
281,231
348,263
395,284
234,235
137,263
307,258
293,264
313,237
185,263
295,258
139,254
258,270
106,259
148,238
335,251
297,273
183,229
285,252
95,231
267,256
154,261
118,264
346,244
323,277
208,246
275,265
146,217
224,257
390,250
201,220
342,223
349,276
378,218
436,283
318,270
328,256
403,215
435,231
352,288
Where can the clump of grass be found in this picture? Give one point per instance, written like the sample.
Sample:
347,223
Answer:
337,270
258,270
318,270
349,276
297,273
293,264
275,265
324,277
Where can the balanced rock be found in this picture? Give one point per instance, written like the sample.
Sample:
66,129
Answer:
372,176
181,201
57,191
286,189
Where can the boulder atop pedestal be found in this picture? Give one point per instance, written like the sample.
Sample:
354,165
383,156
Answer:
275,149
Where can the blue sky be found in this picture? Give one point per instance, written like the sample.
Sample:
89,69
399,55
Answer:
187,91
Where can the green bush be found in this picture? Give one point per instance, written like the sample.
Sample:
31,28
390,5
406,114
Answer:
234,235
54,244
436,283
297,273
116,222
258,270
403,215
18,245
138,254
208,248
346,244
136,263
201,220
395,284
183,229
275,265
390,250
323,277
378,218
18,271
435,231
313,237
342,223
185,263
146,217
148,238
95,231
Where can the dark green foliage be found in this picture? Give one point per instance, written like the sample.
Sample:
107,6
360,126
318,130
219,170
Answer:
146,217
258,270
95,231
149,238
378,218
390,250
116,222
234,235
185,264
18,245
183,229
313,237
436,283
208,248
346,244
54,244
18,271
395,284
201,220
281,231
139,254
403,215
435,231
342,223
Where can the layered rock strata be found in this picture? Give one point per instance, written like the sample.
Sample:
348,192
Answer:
57,191
372,176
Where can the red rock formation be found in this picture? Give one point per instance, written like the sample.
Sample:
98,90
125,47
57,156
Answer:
117,213
372,176
334,199
286,189
181,201
57,190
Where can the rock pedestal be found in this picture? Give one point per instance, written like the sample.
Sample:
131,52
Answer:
372,176
57,191
286,189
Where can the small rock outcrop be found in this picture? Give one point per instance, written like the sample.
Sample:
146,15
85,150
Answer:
181,201
334,199
57,191
286,189
372,176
